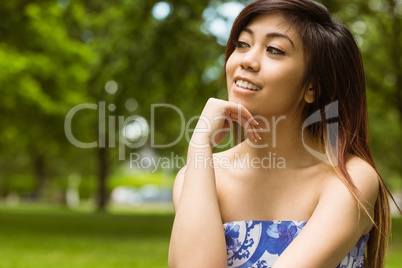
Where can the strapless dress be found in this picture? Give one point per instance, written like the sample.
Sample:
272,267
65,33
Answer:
258,244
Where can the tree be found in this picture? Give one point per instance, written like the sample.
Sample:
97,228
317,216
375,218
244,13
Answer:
69,53
42,72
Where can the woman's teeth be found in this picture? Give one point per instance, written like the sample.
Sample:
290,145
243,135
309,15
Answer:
247,85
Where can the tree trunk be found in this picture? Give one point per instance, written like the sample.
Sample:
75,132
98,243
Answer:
39,175
103,169
397,57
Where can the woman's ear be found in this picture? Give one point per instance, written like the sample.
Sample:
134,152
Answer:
309,95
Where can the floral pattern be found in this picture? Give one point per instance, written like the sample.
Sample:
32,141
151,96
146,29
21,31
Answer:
257,244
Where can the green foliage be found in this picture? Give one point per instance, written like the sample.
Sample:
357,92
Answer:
43,73
55,56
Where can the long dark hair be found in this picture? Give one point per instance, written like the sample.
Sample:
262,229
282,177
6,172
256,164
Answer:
335,72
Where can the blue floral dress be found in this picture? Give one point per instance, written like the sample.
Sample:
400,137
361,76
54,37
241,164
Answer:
258,244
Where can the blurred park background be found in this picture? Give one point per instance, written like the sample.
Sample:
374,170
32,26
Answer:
95,93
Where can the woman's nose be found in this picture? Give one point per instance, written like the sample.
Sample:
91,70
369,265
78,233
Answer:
251,61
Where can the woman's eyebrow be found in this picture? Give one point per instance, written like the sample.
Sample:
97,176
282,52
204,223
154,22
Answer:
280,35
272,35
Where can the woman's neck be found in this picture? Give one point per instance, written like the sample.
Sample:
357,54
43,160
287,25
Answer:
282,144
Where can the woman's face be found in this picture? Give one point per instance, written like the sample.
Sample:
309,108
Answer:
266,69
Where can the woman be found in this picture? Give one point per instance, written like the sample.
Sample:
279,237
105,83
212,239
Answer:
302,189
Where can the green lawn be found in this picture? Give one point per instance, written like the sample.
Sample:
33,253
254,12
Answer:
62,238
43,236
394,259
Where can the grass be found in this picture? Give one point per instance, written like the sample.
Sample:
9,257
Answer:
394,257
51,236
62,238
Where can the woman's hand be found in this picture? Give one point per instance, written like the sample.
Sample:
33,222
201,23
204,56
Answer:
215,119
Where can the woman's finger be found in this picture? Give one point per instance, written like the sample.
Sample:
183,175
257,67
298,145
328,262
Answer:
240,114
241,111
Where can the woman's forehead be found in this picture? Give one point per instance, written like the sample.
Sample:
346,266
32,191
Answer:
273,23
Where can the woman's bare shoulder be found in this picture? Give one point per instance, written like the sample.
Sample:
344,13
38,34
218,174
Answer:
361,172
363,176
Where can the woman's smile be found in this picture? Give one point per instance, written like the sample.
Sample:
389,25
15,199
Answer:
247,85
244,85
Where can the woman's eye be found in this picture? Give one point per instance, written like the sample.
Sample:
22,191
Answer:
241,44
274,50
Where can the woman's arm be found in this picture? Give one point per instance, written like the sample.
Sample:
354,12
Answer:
197,236
337,222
